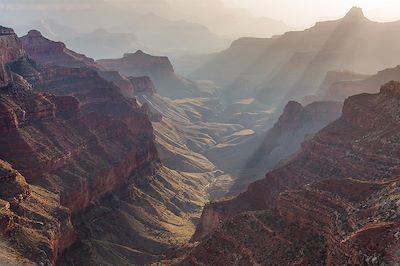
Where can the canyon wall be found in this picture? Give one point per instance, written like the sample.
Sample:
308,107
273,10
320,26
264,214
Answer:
54,53
11,49
70,142
334,202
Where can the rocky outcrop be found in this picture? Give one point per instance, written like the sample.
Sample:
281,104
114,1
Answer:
339,189
160,70
53,53
11,49
266,151
82,154
23,213
295,125
143,85
66,105
74,138
101,102
85,84
141,64
50,52
122,82
14,188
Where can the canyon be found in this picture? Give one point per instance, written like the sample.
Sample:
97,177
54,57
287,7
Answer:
335,202
83,150
275,151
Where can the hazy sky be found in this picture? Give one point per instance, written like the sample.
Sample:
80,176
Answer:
296,13
301,13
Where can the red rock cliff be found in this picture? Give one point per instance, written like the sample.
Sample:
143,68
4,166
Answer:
11,49
334,203
74,138
53,53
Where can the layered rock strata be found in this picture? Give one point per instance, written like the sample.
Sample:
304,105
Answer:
341,189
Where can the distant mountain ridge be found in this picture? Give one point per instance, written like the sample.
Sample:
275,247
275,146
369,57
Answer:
293,65
153,31
343,88
161,71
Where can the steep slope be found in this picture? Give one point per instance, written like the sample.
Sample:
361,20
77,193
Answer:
161,71
34,227
74,152
249,158
59,150
293,65
296,124
185,132
11,50
54,53
193,136
334,203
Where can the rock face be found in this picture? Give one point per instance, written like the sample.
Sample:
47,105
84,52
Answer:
141,64
14,188
50,52
296,124
110,133
334,203
161,72
54,53
74,146
11,49
264,151
32,217
143,85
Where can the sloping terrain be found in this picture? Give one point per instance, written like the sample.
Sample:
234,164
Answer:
53,53
73,150
192,135
334,203
247,155
183,135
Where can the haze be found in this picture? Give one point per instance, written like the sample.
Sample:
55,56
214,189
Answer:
301,14
199,132
298,14
173,27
